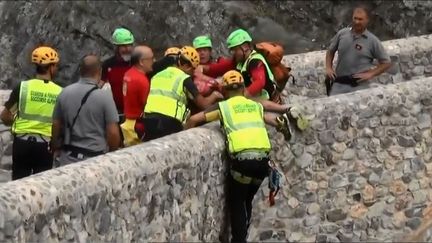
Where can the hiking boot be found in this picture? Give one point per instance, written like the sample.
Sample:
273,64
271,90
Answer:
283,126
295,115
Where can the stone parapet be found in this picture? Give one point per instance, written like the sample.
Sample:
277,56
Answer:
361,173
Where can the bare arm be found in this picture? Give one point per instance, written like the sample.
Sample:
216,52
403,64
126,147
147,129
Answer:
329,59
194,120
11,107
270,119
204,102
7,117
209,115
113,136
329,64
271,106
56,142
380,68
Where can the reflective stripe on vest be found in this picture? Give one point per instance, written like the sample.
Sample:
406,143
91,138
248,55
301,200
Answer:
167,95
242,120
36,105
242,67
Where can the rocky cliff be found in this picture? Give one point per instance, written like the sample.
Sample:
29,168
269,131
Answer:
79,27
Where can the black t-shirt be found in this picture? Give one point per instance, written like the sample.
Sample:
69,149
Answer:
162,64
190,88
14,97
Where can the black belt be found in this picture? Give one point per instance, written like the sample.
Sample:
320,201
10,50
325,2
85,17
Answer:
76,151
33,137
348,80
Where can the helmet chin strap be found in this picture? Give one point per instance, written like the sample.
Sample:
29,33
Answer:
50,73
244,52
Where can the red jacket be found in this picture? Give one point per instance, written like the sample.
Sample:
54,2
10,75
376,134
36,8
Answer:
113,70
257,72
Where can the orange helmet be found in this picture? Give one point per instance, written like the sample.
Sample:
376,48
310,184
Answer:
172,51
233,79
190,54
44,55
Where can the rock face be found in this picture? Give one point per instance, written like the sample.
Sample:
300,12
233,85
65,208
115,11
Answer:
79,27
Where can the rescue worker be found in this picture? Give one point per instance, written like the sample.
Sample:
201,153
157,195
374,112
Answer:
248,146
205,84
259,79
29,110
136,87
114,68
203,45
169,59
170,90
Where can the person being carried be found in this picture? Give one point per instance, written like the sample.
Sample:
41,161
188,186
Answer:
85,117
114,68
29,111
259,79
167,103
136,87
357,48
205,84
248,146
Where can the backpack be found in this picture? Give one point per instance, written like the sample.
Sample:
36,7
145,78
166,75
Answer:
273,53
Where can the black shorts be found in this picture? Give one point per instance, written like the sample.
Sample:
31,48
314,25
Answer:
157,125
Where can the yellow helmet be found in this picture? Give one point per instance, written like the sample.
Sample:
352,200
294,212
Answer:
190,54
232,79
44,55
172,51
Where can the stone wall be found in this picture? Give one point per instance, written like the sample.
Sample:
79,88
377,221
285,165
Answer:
5,144
154,192
411,58
361,172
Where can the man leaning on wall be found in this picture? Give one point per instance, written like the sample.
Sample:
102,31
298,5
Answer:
357,48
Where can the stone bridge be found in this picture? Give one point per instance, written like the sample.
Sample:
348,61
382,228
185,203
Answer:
362,172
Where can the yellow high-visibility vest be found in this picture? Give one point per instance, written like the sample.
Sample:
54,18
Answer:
167,95
37,99
243,122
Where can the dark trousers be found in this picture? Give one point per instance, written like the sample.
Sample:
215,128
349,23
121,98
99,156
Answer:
29,157
158,125
240,195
